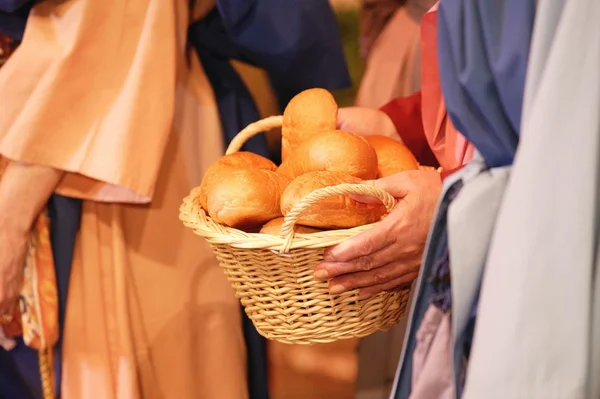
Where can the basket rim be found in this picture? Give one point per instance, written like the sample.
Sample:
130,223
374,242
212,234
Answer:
194,217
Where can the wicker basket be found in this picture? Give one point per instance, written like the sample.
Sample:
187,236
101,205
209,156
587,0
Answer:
273,276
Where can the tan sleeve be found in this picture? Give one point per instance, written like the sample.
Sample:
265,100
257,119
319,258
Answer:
91,91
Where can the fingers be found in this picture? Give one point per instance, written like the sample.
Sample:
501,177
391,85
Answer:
398,185
10,289
366,121
394,285
327,269
365,199
394,272
7,307
375,239
350,119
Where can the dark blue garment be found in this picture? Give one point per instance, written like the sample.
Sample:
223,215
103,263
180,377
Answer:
19,368
10,6
483,49
13,17
298,44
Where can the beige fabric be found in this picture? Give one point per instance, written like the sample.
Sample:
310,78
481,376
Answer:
107,91
394,64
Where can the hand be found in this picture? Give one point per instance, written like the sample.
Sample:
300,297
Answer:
366,121
13,249
388,255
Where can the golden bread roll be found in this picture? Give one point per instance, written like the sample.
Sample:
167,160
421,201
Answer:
229,163
307,114
333,151
392,156
274,226
245,198
334,212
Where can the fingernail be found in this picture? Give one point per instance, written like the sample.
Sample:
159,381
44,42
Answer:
321,274
336,289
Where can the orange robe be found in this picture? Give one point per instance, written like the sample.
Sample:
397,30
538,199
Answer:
109,92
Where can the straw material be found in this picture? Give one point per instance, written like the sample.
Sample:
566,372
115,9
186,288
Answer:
273,276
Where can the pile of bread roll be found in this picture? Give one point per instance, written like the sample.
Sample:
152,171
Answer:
249,192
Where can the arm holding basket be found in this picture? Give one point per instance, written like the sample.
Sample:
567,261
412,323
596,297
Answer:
24,191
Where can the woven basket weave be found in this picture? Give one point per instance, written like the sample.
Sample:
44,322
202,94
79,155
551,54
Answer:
273,276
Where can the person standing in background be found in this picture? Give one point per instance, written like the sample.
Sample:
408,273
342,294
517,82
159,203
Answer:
390,38
108,119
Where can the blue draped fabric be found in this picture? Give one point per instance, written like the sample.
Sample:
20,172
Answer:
483,48
483,51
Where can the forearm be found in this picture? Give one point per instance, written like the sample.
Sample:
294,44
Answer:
24,191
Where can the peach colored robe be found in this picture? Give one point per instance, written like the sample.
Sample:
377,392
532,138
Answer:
109,92
393,67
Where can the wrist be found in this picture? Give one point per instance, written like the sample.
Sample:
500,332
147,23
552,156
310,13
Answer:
24,191
15,221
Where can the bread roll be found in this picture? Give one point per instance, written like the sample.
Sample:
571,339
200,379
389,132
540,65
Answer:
335,212
308,113
229,163
333,151
245,199
274,226
392,156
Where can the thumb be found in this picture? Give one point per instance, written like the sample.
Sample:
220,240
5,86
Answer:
394,185
348,120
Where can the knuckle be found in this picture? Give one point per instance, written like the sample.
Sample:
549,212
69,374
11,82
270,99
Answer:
336,270
368,247
380,277
364,263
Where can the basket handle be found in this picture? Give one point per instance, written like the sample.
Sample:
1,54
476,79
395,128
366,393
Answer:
252,130
287,229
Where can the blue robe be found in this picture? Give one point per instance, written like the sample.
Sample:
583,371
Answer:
483,52
298,45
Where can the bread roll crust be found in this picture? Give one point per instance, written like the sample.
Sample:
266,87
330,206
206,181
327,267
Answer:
307,114
230,163
392,156
273,227
246,199
333,151
334,212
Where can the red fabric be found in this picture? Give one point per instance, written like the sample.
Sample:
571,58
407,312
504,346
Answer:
405,112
